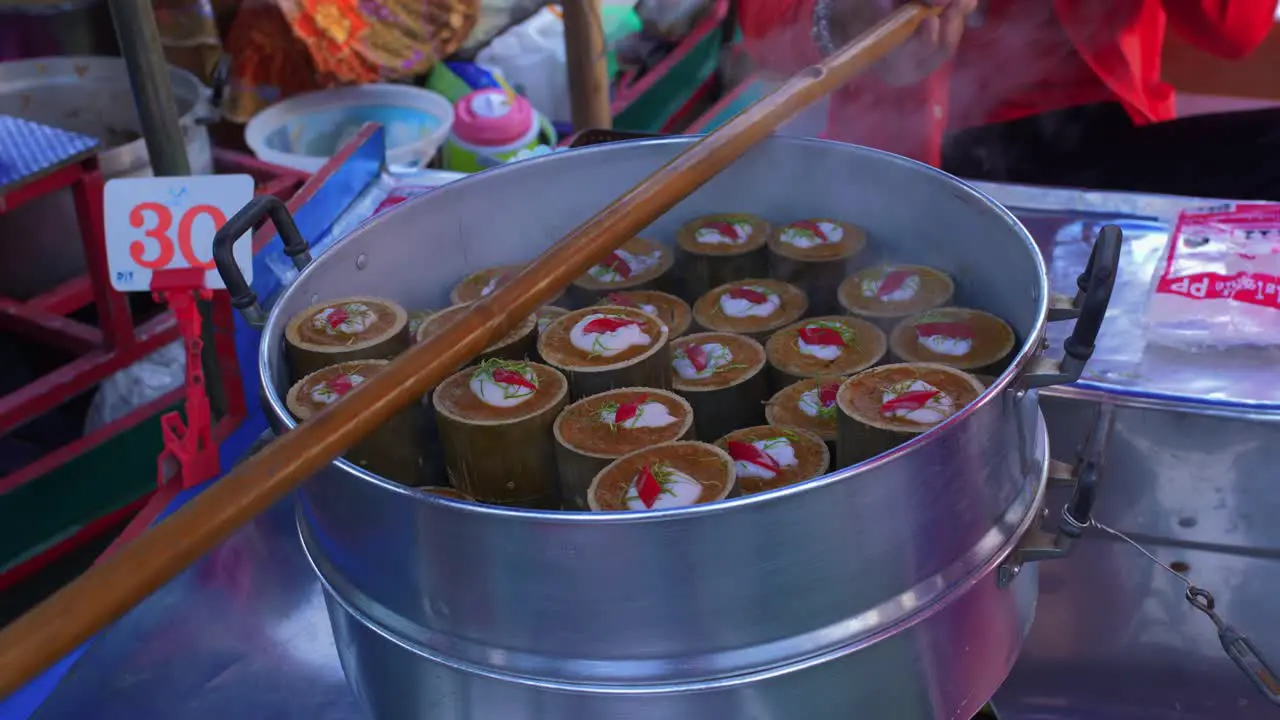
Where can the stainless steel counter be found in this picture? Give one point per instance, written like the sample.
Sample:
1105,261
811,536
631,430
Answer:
245,633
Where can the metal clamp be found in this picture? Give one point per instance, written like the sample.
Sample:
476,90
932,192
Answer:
1088,308
1077,515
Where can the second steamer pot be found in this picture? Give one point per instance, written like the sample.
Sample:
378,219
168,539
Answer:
886,589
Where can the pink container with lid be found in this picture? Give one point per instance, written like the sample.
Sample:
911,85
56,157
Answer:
492,118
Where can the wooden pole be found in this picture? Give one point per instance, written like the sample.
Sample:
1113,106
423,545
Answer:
587,58
109,589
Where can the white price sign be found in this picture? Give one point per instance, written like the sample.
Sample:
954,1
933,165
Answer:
165,223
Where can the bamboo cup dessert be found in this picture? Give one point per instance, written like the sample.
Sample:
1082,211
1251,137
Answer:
754,307
639,264
394,450
814,255
716,249
885,294
961,338
342,330
596,430
809,405
722,376
607,347
768,457
481,284
495,432
516,345
671,310
831,346
663,477
886,406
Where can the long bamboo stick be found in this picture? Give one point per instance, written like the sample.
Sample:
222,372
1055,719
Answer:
109,589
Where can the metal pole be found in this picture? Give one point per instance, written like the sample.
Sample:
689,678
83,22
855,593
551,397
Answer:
139,38
152,90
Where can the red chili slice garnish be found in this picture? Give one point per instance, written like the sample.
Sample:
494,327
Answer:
626,411
827,395
511,377
818,335
892,282
620,299
648,487
726,229
337,316
908,401
957,330
748,453
614,262
341,385
754,297
812,227
697,356
607,324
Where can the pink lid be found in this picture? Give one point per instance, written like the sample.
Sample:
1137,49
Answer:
491,117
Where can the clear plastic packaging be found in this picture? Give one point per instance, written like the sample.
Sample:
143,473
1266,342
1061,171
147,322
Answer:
1218,285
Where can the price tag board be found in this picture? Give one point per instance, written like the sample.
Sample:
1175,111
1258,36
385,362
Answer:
168,223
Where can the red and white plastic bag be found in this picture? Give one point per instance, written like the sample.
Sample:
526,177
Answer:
1219,283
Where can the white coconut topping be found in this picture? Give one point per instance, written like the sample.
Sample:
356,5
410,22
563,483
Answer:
648,415
805,238
345,319
637,263
904,292
678,490
501,394
608,344
718,356
742,307
938,408
329,391
713,236
779,448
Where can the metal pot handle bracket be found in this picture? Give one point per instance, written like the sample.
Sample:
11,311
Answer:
251,217
1087,308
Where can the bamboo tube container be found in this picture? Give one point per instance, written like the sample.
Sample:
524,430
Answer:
659,477
962,338
815,255
495,432
607,347
110,588
342,330
640,264
886,294
768,457
596,430
809,405
722,376
755,308
394,450
886,406
831,346
716,249
671,310
516,345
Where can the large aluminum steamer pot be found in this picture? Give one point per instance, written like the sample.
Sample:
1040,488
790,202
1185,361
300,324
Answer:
884,590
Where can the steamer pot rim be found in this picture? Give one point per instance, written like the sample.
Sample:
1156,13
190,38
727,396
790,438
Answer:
272,334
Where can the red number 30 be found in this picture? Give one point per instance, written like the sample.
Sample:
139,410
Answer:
165,246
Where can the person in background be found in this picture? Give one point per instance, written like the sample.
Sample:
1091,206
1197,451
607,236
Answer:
1052,92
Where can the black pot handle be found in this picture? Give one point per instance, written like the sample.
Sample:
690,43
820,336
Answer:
1088,308
252,216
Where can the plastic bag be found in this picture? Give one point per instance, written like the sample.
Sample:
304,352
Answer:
1219,283
147,380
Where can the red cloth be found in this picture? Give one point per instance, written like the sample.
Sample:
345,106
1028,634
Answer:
1027,58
